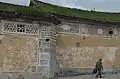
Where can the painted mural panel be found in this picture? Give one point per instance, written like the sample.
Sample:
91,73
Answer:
68,28
16,54
85,57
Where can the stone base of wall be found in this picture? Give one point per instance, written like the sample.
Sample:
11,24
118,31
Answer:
85,71
24,76
64,72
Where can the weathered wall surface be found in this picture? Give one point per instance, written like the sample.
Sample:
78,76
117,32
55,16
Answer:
88,52
17,53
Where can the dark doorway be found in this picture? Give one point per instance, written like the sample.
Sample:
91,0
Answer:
111,32
47,40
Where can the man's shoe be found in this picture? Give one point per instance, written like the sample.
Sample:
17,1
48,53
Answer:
96,76
100,77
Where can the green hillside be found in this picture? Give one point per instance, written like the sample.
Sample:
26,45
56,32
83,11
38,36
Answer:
111,17
37,9
32,11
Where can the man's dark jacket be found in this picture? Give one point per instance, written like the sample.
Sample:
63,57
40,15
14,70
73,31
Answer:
99,65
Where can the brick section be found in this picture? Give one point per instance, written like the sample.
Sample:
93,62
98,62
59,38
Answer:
17,53
90,50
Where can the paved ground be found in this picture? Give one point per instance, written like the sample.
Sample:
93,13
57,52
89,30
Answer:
106,76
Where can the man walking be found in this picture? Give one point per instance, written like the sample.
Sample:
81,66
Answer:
99,68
